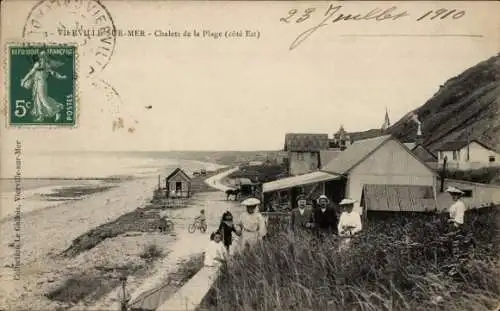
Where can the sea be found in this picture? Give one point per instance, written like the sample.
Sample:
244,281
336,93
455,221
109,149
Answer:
42,173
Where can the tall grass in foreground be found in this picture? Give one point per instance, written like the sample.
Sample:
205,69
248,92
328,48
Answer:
400,262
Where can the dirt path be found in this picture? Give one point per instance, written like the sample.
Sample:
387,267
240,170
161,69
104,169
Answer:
46,232
185,246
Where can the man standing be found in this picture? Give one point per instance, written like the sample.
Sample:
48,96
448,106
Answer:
251,225
302,216
325,217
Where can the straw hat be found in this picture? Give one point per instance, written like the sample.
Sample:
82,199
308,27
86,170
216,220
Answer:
453,190
323,197
347,201
251,202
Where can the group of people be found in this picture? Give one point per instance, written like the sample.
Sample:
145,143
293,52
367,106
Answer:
323,220
250,227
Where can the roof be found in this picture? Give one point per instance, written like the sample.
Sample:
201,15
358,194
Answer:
177,170
373,133
354,154
299,180
245,181
424,154
306,142
459,144
410,145
326,156
398,198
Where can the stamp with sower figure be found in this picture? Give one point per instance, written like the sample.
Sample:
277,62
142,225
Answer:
42,84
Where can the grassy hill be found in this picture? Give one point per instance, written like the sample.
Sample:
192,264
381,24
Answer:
469,101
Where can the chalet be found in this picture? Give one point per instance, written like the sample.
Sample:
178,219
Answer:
304,152
380,173
178,184
465,155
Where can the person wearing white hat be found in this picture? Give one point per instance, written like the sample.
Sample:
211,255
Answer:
349,222
457,209
324,217
251,224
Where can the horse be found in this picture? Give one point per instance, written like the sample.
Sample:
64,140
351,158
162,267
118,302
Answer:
231,192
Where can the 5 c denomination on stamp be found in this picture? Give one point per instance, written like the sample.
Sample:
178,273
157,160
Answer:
41,84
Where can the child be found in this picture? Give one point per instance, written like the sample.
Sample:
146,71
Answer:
215,253
163,221
226,228
201,218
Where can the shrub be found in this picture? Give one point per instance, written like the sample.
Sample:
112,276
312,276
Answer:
151,252
484,175
399,262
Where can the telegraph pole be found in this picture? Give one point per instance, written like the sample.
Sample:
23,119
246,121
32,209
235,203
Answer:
443,173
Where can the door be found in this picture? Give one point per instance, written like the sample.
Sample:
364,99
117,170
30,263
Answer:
178,187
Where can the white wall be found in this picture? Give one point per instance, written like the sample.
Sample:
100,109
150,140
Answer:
303,162
479,157
392,164
482,194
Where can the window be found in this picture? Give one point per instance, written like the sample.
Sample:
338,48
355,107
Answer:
458,155
491,159
300,156
455,155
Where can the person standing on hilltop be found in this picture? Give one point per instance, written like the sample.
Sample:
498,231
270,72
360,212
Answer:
251,225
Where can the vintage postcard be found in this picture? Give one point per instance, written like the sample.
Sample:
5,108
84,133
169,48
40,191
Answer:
249,155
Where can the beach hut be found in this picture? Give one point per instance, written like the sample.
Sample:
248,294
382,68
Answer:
178,184
380,173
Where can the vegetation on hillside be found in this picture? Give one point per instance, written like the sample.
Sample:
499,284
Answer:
487,175
399,262
467,102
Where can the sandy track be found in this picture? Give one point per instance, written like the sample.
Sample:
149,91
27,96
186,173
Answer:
48,231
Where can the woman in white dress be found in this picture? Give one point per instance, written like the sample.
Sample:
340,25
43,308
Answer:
251,226
457,209
44,106
349,223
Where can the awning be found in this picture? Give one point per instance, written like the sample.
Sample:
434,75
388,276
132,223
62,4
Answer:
299,180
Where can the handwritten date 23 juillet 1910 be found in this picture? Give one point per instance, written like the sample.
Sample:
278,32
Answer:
332,14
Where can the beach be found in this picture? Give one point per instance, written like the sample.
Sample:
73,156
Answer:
47,227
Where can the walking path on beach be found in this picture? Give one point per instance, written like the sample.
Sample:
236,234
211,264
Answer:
185,246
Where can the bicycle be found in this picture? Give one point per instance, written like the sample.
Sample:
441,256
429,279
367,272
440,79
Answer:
166,225
197,225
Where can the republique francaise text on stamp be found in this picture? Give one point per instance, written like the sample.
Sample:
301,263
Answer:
42,84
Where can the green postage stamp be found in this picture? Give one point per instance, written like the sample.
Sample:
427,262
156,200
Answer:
42,84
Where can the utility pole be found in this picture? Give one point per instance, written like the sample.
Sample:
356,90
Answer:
443,173
468,143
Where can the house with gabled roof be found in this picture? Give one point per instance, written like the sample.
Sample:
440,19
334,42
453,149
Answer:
304,152
178,184
470,154
380,173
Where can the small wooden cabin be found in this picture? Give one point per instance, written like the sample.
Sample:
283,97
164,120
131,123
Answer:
178,184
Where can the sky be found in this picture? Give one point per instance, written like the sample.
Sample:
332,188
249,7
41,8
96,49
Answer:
246,93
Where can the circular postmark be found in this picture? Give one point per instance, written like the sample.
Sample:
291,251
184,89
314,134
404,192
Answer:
85,22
